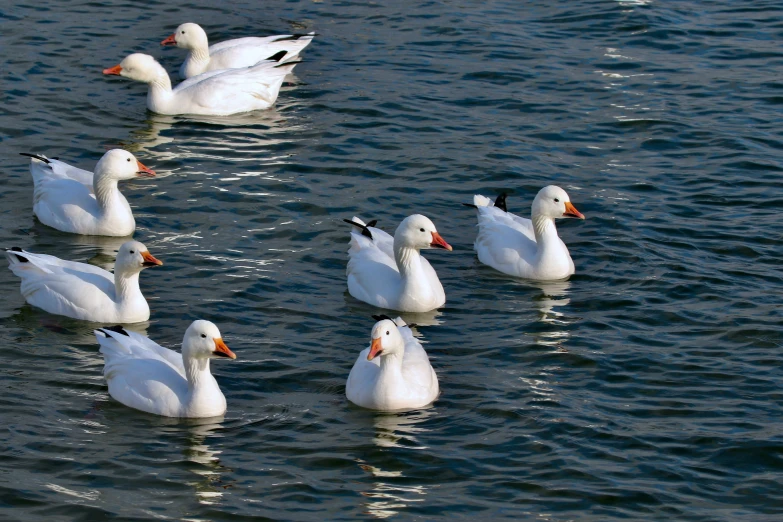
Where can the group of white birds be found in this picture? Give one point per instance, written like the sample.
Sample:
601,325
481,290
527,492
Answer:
240,75
392,374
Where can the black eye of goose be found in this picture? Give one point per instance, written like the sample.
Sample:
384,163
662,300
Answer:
203,336
421,230
557,200
132,251
183,32
387,332
128,159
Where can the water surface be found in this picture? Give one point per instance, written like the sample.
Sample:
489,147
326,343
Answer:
647,387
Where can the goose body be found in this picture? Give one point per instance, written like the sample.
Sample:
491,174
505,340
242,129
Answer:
81,202
527,248
389,272
84,291
143,375
214,93
394,373
231,54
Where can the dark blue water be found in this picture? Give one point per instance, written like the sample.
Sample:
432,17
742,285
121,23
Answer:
647,387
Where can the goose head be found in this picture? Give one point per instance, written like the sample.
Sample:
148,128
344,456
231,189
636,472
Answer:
553,202
188,36
133,257
139,67
419,232
203,341
120,164
386,340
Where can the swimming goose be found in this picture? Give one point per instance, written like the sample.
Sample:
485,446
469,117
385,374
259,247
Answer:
522,247
83,291
143,375
231,54
215,93
394,373
389,272
80,202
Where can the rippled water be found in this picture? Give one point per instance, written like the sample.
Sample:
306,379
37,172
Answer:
646,387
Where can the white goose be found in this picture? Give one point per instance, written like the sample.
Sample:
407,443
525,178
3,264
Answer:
231,54
143,375
216,93
402,379
389,272
522,247
85,291
80,202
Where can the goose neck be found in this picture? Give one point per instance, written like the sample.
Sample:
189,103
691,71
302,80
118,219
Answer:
106,191
127,285
544,229
161,83
391,365
197,372
408,259
199,54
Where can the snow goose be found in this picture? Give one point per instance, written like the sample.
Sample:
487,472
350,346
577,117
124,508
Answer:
80,202
231,54
215,93
85,291
522,247
394,373
389,272
143,375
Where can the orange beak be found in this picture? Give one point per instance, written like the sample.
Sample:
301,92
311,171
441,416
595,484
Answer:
221,350
439,242
149,260
375,349
144,172
170,40
113,70
571,211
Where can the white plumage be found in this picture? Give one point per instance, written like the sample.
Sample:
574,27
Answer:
394,373
232,54
83,291
143,375
389,272
523,247
80,202
215,93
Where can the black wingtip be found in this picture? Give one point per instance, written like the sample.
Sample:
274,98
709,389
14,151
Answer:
35,156
412,325
500,202
19,257
382,318
277,56
365,231
471,205
295,37
116,329
372,223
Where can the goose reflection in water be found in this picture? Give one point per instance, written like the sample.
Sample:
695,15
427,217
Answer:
210,486
385,499
554,294
393,430
412,319
249,137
